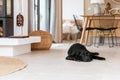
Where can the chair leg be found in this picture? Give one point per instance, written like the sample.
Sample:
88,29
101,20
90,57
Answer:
109,41
101,37
96,44
110,35
95,38
115,38
112,39
91,39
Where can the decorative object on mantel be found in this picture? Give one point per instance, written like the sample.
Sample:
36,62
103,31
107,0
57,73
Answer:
20,20
10,65
20,17
107,9
116,1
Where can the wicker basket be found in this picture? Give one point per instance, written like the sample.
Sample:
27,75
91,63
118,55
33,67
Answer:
46,40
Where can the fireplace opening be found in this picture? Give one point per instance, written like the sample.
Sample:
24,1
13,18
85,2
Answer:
1,28
6,27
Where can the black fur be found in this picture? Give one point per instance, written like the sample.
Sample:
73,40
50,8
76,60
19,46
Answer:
78,52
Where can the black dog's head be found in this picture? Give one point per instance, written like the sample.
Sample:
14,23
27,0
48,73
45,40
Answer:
84,56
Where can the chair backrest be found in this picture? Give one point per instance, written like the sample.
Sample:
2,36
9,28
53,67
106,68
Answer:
95,20
116,21
107,21
77,22
104,21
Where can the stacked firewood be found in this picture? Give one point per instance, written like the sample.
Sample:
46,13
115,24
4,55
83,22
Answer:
1,32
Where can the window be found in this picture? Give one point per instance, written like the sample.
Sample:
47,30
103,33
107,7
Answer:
42,14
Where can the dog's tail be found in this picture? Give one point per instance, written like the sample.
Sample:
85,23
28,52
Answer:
98,58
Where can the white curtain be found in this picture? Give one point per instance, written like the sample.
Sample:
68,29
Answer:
31,23
56,20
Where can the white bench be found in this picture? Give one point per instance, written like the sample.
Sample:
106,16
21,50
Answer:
17,46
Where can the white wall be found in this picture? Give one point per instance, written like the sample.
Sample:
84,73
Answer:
17,30
71,7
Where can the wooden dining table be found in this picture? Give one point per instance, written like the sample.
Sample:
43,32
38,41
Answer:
87,23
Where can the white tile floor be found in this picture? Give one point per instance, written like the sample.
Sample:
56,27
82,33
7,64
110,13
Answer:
51,65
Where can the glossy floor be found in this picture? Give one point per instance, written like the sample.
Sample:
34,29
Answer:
51,65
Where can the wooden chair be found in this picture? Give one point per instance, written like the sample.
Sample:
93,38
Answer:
107,28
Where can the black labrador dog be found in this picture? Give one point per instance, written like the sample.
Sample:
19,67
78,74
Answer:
78,52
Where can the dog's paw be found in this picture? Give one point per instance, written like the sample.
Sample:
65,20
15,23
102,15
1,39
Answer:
96,53
70,58
103,59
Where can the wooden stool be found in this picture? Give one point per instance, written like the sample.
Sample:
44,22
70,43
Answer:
46,40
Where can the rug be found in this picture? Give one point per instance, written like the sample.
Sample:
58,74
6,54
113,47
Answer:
10,65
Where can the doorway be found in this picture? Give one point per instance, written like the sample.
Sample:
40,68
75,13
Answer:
69,29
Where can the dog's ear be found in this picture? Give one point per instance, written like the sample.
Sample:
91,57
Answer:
73,54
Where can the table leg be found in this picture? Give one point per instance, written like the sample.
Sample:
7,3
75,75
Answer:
84,30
